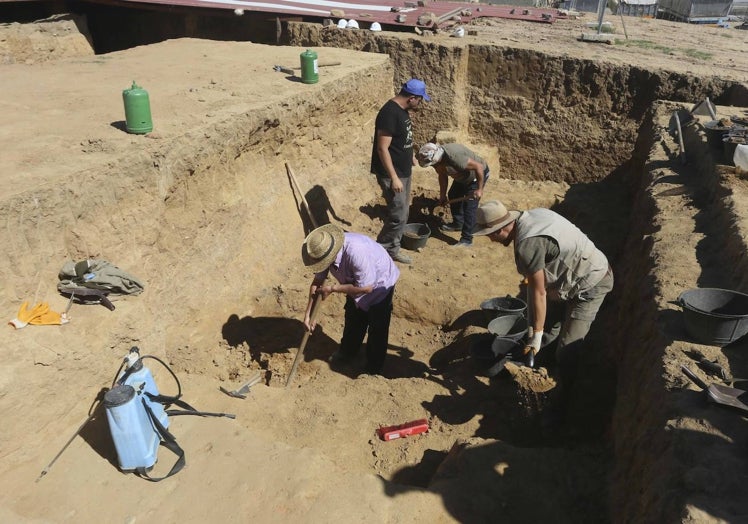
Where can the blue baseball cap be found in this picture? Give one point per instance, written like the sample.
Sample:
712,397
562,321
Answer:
416,87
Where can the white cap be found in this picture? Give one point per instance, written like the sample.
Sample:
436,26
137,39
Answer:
342,23
375,26
352,24
459,32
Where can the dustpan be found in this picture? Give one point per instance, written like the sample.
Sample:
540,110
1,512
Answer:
719,394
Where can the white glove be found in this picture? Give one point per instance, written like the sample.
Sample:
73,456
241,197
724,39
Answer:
536,340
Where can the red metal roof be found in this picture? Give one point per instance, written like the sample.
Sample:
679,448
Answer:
386,12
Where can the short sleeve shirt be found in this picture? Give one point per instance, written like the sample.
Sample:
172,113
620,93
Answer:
457,157
363,262
534,253
395,122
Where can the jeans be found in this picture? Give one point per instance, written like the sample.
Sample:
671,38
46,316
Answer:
377,322
463,213
397,214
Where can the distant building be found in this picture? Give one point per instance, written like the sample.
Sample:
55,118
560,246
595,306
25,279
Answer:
694,11
739,8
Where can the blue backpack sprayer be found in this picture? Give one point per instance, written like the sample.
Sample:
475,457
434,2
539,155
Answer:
138,416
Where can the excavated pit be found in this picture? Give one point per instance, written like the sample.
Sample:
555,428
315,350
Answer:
204,211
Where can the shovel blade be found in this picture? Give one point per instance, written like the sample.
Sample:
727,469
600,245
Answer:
732,397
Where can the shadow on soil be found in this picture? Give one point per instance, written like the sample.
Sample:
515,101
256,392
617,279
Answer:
268,335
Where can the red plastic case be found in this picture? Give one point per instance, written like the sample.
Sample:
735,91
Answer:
413,427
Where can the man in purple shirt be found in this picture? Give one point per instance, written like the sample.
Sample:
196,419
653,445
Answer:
367,275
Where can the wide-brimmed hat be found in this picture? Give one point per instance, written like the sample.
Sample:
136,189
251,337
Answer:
321,246
492,216
429,154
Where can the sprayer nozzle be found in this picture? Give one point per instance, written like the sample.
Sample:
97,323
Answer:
132,358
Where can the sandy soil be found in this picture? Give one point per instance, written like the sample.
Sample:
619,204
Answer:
217,249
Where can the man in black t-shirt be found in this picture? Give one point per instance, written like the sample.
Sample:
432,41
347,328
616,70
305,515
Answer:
392,161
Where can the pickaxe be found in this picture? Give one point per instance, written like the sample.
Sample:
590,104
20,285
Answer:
242,391
448,202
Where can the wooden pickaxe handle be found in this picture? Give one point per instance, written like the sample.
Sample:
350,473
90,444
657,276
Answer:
290,70
455,200
312,319
323,64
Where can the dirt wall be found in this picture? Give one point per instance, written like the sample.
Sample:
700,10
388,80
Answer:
168,171
661,439
540,110
60,36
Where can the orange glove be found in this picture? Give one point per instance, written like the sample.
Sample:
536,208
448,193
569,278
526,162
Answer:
46,317
39,315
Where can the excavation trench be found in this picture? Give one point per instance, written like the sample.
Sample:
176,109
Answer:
580,137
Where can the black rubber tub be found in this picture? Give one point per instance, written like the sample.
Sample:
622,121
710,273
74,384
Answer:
715,132
490,353
415,236
715,316
508,305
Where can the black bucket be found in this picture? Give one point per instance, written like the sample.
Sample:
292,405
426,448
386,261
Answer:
715,316
715,132
731,143
415,236
508,305
491,353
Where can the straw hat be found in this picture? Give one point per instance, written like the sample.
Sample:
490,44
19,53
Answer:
321,247
492,216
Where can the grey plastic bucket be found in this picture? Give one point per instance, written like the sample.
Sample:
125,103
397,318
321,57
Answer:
498,306
512,326
715,316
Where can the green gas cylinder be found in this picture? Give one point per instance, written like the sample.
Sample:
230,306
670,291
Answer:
309,67
137,110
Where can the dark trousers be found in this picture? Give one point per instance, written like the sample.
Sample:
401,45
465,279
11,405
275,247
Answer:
377,322
463,213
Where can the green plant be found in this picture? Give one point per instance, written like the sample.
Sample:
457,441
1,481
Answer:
645,44
695,53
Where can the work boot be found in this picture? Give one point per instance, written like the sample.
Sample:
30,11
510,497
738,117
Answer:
339,357
402,258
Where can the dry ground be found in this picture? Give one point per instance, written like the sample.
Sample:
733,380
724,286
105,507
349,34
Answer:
225,293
